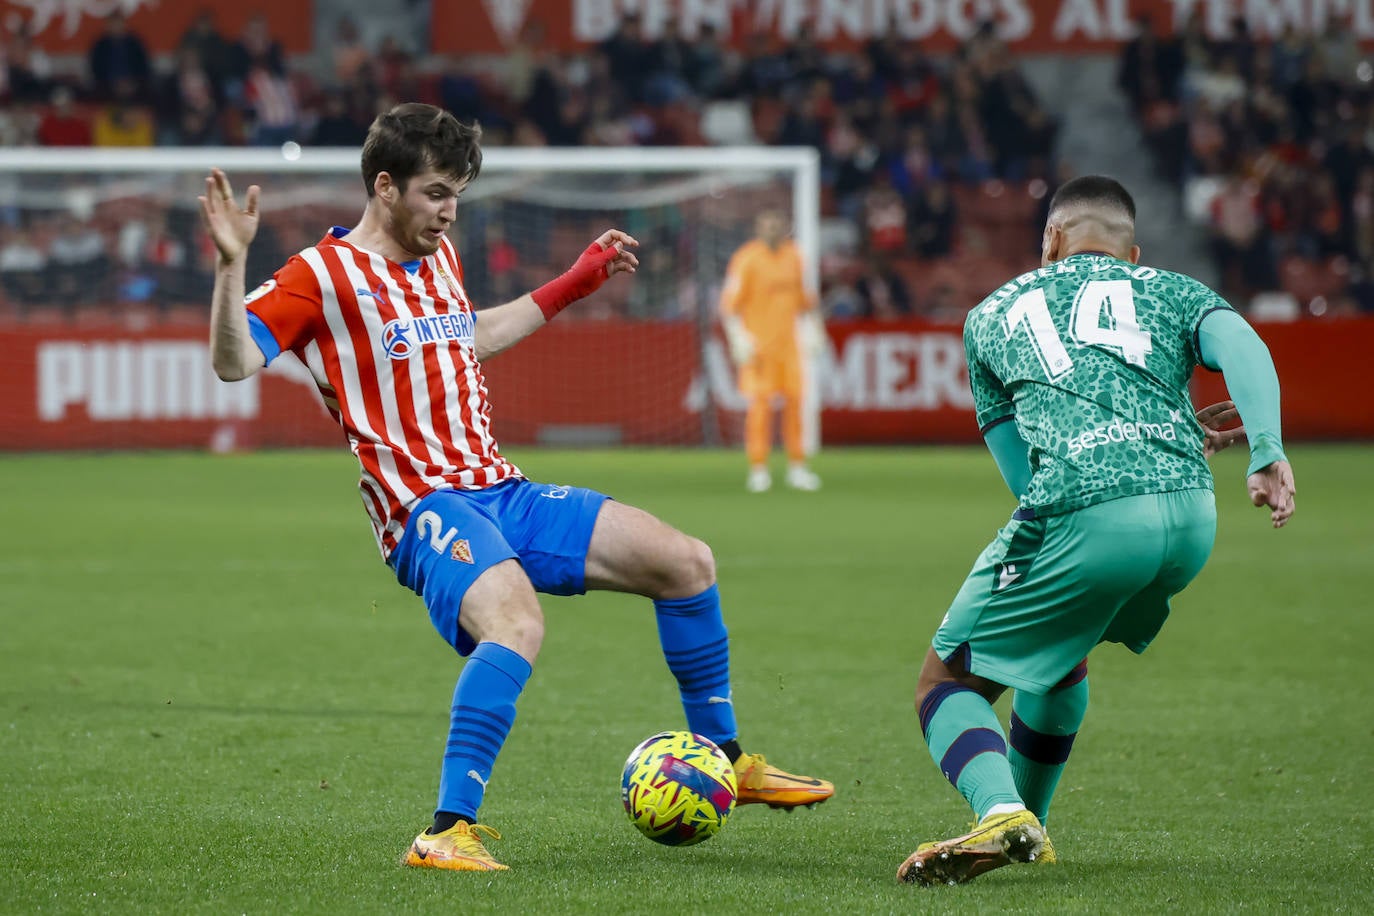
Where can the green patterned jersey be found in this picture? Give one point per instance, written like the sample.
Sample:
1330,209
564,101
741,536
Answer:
1091,357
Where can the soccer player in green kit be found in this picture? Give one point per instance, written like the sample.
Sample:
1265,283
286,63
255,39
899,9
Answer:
1080,379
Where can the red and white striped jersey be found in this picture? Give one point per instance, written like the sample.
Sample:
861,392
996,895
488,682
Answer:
391,349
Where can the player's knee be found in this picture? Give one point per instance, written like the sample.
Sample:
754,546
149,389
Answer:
529,633
698,567
683,568
522,629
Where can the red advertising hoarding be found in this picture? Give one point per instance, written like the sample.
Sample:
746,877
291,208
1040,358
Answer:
110,387
1037,26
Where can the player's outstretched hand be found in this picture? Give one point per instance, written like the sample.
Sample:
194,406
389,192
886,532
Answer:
624,260
1272,486
230,228
608,255
1213,418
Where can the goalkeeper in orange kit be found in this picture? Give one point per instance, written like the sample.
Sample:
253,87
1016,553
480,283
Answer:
771,322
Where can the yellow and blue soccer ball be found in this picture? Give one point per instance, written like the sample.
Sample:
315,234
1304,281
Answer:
678,788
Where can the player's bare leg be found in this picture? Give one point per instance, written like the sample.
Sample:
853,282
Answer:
631,551
502,615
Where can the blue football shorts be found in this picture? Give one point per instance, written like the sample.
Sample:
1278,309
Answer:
453,536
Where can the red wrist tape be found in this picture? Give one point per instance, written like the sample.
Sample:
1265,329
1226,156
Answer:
582,279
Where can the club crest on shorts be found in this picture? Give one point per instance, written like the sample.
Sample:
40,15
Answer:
461,551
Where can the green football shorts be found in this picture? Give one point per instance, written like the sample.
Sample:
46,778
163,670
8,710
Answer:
1049,589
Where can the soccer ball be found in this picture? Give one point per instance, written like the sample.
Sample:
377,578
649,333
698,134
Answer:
678,788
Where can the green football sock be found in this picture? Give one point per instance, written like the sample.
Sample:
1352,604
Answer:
1042,733
967,744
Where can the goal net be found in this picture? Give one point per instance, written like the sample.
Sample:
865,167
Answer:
105,278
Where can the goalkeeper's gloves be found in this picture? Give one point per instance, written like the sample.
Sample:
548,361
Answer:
811,334
585,277
737,338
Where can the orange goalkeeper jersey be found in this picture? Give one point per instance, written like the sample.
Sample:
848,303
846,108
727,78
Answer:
765,289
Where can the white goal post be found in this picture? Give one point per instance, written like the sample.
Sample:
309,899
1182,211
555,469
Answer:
708,196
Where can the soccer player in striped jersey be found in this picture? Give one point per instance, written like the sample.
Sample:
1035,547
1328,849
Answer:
381,315
1080,377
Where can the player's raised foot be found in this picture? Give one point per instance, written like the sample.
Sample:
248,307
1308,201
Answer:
1047,856
458,848
802,478
761,784
758,480
997,840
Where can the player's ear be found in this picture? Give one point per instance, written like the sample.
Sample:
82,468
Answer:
1050,244
1135,254
384,187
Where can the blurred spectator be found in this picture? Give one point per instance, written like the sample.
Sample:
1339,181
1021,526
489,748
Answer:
122,121
945,305
22,266
211,49
934,220
256,48
503,265
119,58
1150,66
710,68
62,125
25,71
80,263
631,57
883,294
1238,238
186,102
1340,49
804,124
270,102
336,125
19,123
154,263
884,217
460,90
348,54
390,65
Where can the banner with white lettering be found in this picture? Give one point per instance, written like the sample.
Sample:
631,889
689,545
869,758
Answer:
592,382
1040,26
73,26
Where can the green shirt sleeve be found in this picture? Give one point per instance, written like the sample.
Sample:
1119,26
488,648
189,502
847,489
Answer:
991,402
1011,453
1226,342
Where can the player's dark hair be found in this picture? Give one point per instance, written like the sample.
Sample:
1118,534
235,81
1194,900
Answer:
1094,191
413,137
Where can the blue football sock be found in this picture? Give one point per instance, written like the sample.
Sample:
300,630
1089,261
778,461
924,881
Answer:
483,712
1042,733
696,646
967,744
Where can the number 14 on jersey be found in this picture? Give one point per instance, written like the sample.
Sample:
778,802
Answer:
1121,333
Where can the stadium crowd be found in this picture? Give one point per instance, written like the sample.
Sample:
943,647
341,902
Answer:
1271,141
935,168
905,138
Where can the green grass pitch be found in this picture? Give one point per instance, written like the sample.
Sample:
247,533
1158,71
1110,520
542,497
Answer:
214,698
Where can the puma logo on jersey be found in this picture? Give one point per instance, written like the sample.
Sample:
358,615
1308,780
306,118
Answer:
377,295
1006,576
